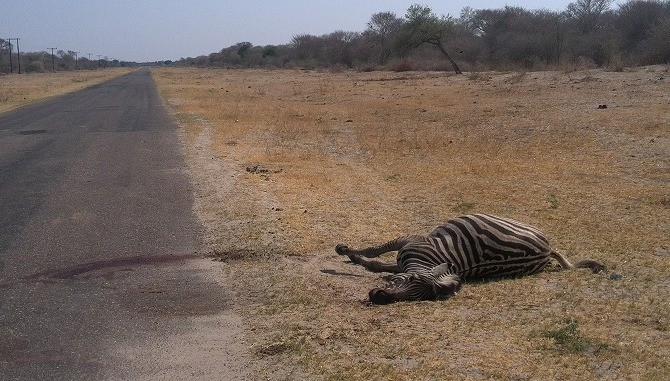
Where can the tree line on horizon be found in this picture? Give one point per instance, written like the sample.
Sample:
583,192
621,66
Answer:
38,62
588,33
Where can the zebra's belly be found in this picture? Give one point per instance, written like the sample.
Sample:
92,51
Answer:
511,268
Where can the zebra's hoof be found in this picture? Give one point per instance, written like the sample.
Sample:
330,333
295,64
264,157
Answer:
341,249
598,268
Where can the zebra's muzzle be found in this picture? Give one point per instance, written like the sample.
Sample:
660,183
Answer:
380,296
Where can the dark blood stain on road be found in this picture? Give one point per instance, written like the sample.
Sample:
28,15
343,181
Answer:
74,271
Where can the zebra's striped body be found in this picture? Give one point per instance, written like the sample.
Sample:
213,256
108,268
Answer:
470,247
479,246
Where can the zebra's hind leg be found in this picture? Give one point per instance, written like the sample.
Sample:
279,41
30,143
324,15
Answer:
374,265
595,266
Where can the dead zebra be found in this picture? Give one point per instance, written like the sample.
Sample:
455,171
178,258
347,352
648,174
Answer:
472,247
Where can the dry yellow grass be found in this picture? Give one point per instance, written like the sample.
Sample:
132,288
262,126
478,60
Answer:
21,89
288,163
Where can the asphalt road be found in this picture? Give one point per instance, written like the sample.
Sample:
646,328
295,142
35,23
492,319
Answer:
102,274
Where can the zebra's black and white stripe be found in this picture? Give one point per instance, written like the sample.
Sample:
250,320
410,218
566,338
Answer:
471,247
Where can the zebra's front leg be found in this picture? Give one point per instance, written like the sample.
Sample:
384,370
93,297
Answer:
375,251
362,257
374,265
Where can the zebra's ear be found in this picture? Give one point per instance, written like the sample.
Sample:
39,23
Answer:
440,270
446,283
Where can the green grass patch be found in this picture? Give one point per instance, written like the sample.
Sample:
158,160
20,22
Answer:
568,337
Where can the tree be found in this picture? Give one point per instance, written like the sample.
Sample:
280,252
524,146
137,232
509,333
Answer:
515,35
382,28
338,48
422,26
270,51
587,13
657,46
4,55
592,32
244,51
636,20
305,47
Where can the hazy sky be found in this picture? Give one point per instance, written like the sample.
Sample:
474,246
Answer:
149,30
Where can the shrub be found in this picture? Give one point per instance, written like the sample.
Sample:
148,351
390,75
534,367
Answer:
405,64
35,67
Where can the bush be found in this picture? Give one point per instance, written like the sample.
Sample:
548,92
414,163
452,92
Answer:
533,63
366,68
405,64
35,67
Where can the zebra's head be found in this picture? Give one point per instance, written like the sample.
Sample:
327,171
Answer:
438,283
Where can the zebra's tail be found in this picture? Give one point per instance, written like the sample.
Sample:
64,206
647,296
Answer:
595,266
375,251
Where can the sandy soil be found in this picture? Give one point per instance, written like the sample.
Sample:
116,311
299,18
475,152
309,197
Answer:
289,163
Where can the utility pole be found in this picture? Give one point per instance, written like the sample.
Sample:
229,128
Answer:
11,65
53,65
75,60
18,55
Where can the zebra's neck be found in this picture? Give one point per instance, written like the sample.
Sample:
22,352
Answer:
420,257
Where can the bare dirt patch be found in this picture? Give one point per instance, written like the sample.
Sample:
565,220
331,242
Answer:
21,89
361,158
